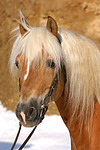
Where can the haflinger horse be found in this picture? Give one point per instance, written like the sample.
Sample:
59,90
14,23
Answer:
61,66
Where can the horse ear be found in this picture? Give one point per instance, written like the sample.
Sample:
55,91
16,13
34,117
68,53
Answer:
52,26
22,29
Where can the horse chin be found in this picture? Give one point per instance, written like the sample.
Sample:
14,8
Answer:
30,123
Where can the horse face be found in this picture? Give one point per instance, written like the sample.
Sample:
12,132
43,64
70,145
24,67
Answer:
36,82
35,85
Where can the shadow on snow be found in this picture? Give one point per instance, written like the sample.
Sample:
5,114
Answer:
8,145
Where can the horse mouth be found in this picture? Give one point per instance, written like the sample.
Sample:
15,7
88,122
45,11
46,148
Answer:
30,115
27,122
30,123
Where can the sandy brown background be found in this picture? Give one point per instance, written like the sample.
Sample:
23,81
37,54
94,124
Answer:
81,16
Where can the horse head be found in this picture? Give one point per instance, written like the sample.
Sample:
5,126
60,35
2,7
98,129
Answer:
41,74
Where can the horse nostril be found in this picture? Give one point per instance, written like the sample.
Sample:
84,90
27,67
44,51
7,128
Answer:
32,111
27,112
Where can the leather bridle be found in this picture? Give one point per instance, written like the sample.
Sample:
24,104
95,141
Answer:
43,109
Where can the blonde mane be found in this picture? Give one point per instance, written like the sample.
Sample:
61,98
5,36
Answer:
79,54
82,60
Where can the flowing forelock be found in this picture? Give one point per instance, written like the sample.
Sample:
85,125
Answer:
36,41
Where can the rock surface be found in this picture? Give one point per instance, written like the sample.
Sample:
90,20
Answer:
81,16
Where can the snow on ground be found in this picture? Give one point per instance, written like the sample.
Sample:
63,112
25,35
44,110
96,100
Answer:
51,134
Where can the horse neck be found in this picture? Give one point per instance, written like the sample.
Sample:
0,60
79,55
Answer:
88,138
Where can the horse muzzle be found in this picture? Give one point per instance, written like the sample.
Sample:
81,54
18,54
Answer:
28,113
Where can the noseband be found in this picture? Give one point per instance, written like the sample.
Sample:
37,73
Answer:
43,109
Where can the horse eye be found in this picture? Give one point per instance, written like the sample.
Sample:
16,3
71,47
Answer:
51,63
17,64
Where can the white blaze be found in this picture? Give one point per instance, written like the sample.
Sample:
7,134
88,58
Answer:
26,75
23,117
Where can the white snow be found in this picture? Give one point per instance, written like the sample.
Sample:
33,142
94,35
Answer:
51,134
